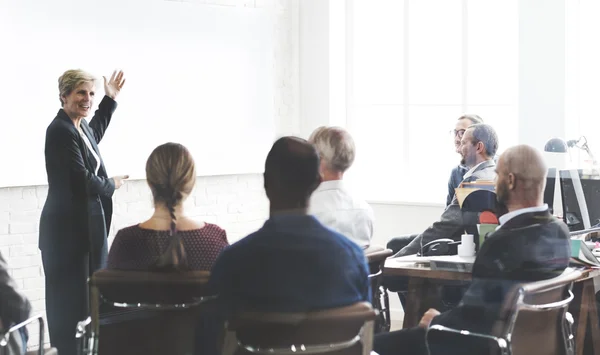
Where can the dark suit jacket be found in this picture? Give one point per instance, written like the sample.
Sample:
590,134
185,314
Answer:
452,221
14,307
529,247
73,188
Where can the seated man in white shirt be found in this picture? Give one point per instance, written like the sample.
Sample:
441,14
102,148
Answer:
332,204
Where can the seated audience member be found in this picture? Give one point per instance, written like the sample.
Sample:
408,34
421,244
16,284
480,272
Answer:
14,309
331,203
293,263
478,147
171,175
456,175
529,245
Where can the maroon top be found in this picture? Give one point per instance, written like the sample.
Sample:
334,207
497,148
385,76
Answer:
136,248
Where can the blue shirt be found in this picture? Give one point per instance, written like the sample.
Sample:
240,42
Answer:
292,264
456,177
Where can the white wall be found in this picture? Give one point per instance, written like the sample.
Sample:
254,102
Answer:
541,71
235,202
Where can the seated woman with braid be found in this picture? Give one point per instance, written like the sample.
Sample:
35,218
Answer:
169,239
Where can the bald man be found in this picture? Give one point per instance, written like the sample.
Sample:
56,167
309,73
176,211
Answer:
529,245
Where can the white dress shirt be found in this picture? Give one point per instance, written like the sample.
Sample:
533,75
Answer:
96,157
510,215
337,209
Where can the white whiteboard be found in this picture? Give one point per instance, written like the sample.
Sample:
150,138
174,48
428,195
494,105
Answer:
198,75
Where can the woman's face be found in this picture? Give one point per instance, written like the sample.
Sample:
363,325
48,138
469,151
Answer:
79,102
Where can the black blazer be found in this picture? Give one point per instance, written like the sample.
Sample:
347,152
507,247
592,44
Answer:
73,188
529,247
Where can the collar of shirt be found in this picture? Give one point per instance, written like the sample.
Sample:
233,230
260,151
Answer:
472,170
330,185
291,220
510,215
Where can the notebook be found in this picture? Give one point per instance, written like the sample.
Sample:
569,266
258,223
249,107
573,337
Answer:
582,255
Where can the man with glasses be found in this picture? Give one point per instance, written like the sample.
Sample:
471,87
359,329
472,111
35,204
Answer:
478,146
456,176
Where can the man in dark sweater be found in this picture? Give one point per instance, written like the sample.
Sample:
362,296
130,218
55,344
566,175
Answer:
529,245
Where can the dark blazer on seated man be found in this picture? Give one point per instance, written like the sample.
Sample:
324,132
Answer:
530,245
452,221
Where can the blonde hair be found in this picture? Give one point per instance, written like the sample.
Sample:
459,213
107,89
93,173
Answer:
171,175
335,147
70,80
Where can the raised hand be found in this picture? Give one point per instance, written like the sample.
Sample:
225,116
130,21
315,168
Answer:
112,87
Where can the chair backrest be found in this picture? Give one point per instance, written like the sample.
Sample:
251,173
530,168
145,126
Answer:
340,331
376,257
165,323
161,288
532,317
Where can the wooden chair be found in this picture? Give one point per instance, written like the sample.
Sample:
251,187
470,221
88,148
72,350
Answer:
533,319
376,256
166,316
339,331
10,341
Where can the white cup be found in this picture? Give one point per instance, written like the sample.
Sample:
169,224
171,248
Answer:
467,246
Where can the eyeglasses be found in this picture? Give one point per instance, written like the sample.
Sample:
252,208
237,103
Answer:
458,133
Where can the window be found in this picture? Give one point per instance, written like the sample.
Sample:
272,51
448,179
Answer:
582,77
415,66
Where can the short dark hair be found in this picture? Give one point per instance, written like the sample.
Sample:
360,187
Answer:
486,134
475,119
292,165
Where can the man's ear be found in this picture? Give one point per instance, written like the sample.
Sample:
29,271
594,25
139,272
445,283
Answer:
512,181
481,147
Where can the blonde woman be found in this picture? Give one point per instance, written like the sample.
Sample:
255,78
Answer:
77,212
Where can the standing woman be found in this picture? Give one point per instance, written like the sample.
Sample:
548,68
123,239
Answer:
77,214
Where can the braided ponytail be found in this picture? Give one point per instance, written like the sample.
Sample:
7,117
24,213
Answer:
170,170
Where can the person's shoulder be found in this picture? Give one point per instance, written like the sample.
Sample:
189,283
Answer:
130,230
459,169
338,240
241,246
212,228
59,127
561,227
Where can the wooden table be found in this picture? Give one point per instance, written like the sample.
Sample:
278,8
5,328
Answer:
422,280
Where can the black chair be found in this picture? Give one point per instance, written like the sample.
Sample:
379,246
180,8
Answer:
339,331
376,257
10,341
167,307
525,323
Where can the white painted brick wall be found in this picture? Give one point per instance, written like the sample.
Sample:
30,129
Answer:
236,203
